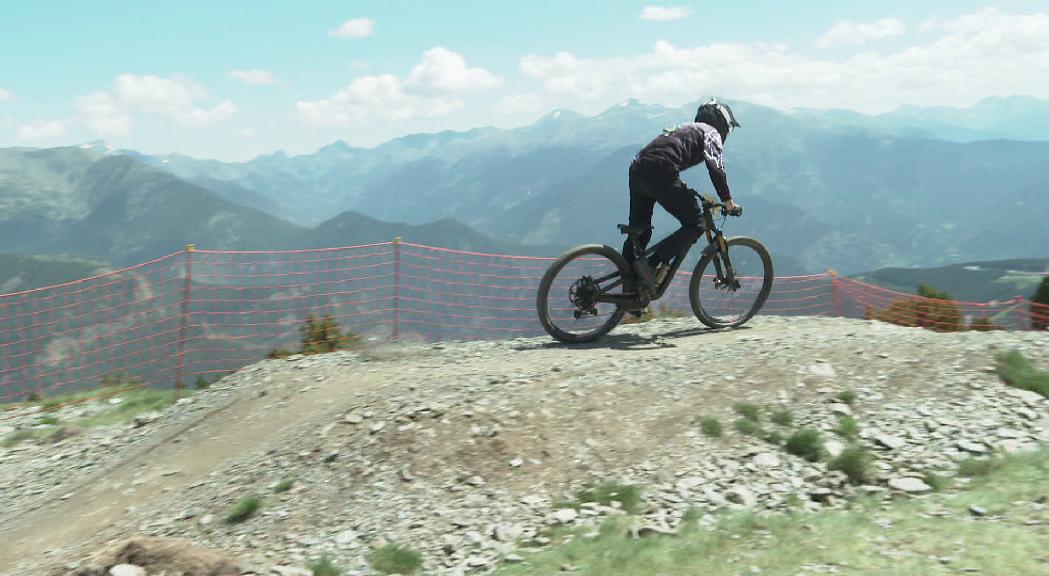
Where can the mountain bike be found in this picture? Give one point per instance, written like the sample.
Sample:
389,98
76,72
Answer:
586,292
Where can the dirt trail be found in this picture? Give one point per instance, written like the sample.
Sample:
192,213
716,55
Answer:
188,452
185,457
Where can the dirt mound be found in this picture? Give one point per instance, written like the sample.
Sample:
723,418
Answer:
169,556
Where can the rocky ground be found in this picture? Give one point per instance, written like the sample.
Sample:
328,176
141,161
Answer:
467,451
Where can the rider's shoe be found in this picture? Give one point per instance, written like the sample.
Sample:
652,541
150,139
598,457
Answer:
637,312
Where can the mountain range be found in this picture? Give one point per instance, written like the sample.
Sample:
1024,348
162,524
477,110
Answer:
823,189
119,209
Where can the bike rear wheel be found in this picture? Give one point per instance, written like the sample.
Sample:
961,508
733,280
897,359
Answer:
722,302
565,302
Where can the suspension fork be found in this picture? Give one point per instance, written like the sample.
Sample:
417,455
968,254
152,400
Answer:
726,273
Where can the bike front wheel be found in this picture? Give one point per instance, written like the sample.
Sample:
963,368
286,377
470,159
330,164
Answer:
721,299
569,299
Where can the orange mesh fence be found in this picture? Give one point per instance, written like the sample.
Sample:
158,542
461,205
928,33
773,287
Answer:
200,313
70,336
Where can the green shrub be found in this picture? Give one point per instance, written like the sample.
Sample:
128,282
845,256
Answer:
284,485
748,410
774,437
49,420
326,567
324,335
1039,307
782,416
120,381
34,397
1017,371
395,559
710,426
806,443
974,467
748,427
855,462
848,428
200,383
278,353
931,309
847,396
937,482
243,509
984,325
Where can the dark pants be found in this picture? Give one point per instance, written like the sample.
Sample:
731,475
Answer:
650,182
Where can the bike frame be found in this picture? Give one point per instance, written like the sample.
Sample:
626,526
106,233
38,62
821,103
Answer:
715,243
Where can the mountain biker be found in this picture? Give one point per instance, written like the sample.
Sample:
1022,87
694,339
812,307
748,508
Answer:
655,177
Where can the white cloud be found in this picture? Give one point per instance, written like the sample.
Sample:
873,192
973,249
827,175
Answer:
979,55
46,130
849,32
174,97
664,13
376,97
5,95
102,115
355,28
427,91
253,77
247,133
442,69
177,98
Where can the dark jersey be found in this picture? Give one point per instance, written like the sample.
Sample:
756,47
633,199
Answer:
685,146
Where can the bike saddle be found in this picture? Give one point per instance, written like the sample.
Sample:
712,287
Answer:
633,230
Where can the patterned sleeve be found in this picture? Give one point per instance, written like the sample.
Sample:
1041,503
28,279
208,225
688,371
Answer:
716,164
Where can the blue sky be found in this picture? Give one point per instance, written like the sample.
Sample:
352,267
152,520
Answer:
234,79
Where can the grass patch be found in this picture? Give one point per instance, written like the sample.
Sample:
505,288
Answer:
132,403
628,496
847,396
326,567
38,435
49,421
243,509
855,462
977,467
395,559
284,485
710,426
18,436
848,428
937,482
662,311
774,437
806,443
854,539
748,427
1017,371
783,417
748,410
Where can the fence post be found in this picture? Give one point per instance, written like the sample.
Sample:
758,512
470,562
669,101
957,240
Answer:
835,292
1019,300
396,288
183,317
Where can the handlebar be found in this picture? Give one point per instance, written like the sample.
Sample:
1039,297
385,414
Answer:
711,205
